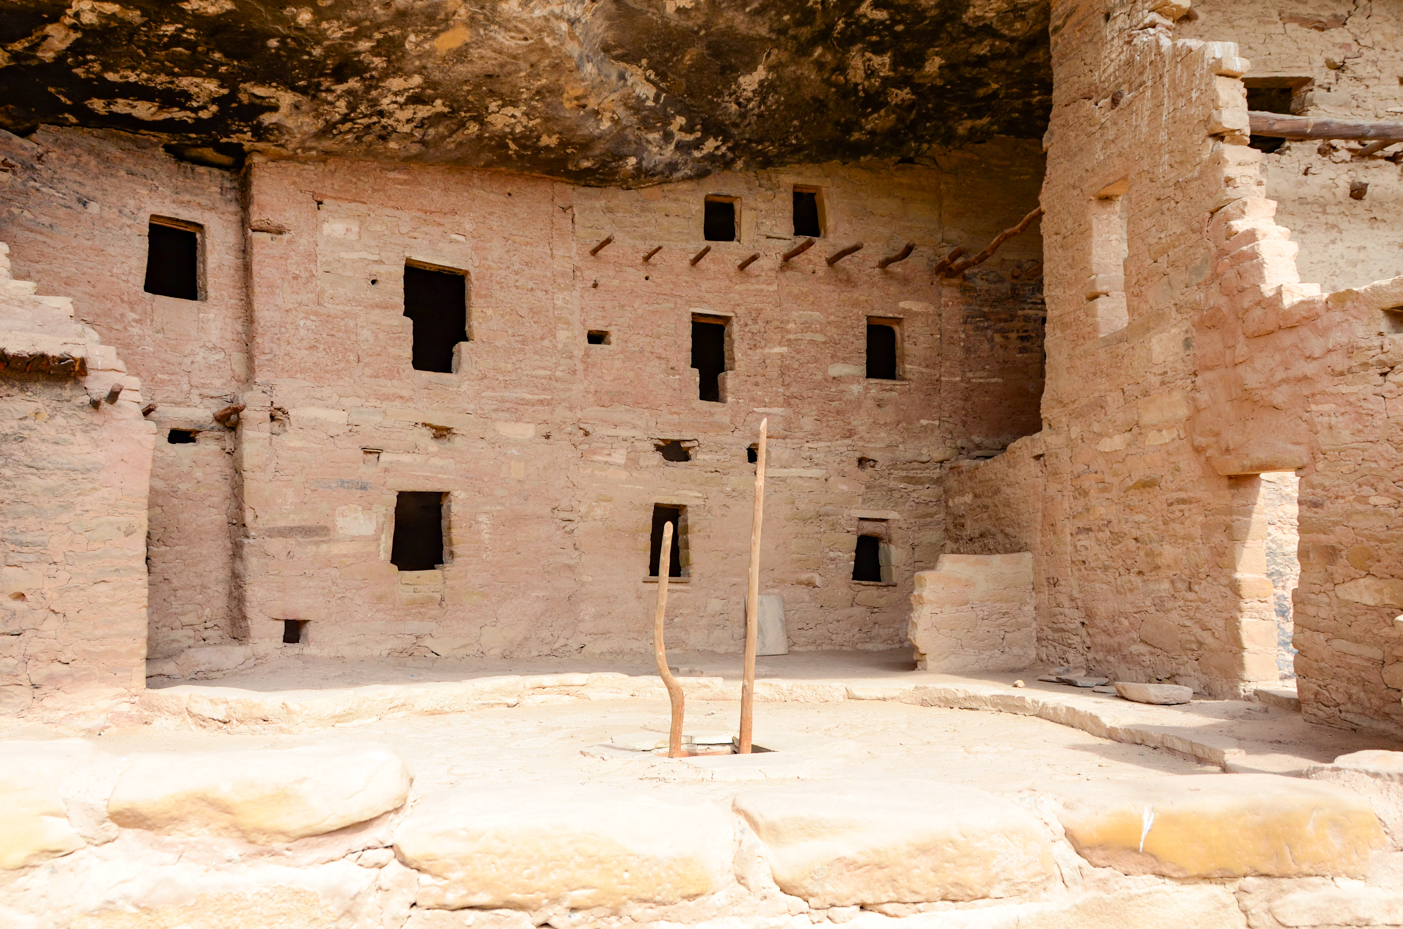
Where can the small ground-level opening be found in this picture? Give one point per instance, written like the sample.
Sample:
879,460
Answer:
675,449
597,337
662,515
418,534
709,355
294,632
181,436
436,300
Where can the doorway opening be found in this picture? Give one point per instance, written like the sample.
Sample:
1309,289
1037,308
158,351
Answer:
1266,539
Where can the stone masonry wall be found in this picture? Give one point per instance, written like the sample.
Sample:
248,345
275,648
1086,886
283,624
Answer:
75,465
546,444
75,206
1347,58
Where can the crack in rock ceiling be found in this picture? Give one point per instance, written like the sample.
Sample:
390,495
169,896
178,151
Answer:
593,91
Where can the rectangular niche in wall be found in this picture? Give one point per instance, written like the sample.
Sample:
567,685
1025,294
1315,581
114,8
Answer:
418,538
436,299
883,348
294,632
662,515
872,555
719,221
808,212
1110,246
709,355
173,258
1277,94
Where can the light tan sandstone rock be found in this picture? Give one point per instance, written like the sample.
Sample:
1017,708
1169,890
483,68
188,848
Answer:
1217,826
1199,907
34,824
1377,775
1164,694
974,613
264,796
861,842
578,847
1340,906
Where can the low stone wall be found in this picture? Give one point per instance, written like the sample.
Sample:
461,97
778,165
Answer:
75,466
975,613
333,836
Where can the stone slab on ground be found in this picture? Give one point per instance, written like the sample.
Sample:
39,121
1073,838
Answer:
857,842
1221,826
974,613
1156,694
579,847
34,824
265,796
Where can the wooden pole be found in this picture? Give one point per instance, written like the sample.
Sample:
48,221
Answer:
747,261
1282,126
960,267
649,256
674,689
797,250
752,599
902,255
843,253
603,243
700,255
948,260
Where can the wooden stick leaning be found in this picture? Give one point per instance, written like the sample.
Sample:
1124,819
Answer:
752,599
960,267
674,689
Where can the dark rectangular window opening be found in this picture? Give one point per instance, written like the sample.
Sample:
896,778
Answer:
867,560
882,344
709,355
418,538
719,220
294,632
181,436
752,454
597,337
662,515
806,213
173,259
436,299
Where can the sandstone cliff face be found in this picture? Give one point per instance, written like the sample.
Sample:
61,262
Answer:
618,91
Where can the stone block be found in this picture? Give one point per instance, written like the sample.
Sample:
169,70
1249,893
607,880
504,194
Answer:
34,824
856,842
581,847
265,796
1221,826
771,636
975,613
1163,694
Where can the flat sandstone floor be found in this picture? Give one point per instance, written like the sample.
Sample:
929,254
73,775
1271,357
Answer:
569,743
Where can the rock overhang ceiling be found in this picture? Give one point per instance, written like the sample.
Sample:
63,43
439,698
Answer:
593,91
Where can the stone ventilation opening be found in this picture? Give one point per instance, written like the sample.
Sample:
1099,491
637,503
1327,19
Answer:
1266,540
1110,246
181,437
709,355
719,219
808,219
883,348
675,449
597,337
294,631
662,515
872,556
436,300
173,259
418,538
752,454
1273,95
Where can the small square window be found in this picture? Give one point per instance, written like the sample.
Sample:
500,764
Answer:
597,337
173,259
181,437
294,632
719,221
